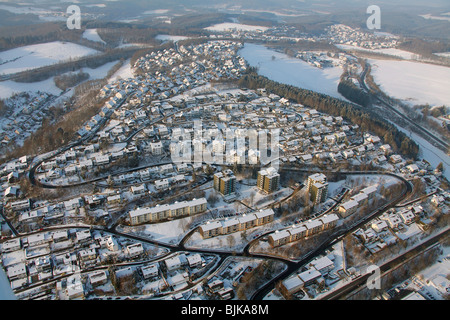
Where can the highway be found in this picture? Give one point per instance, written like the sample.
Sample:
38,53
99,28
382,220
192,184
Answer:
336,237
386,267
291,266
424,132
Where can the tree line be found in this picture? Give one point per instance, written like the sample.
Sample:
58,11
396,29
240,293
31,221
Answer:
366,119
3,108
91,61
353,93
70,79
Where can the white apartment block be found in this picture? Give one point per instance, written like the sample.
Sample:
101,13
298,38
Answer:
161,212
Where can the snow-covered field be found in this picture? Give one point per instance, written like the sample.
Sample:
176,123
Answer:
8,88
429,16
39,55
235,26
167,37
429,152
157,11
56,14
413,82
443,54
92,34
124,72
282,68
389,51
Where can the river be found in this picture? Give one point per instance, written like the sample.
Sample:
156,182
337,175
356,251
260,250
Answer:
6,292
282,68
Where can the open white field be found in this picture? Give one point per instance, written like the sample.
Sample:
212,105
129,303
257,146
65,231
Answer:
167,37
235,26
389,51
443,54
39,55
413,82
92,34
284,69
9,88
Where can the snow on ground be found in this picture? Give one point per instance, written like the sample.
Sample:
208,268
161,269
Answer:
124,72
411,231
335,187
260,199
390,51
43,14
429,152
414,82
157,11
92,34
170,232
100,72
8,88
98,5
443,54
282,68
39,55
277,13
235,26
429,16
167,37
128,45
433,281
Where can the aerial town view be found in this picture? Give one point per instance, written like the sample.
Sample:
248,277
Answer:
224,150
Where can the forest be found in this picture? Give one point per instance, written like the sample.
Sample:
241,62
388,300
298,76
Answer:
3,107
70,79
353,93
91,61
366,119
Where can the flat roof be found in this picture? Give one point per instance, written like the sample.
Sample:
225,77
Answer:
309,275
211,225
280,235
349,204
264,213
329,218
164,207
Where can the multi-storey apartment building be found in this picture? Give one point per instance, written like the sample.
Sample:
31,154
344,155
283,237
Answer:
268,180
225,182
318,187
240,223
165,211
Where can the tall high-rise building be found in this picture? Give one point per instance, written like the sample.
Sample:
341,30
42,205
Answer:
225,182
318,187
268,180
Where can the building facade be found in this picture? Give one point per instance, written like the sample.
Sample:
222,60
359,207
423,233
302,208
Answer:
165,211
317,187
225,182
240,223
268,180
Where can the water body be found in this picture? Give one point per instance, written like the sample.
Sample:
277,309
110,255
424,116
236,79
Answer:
292,71
6,292
284,69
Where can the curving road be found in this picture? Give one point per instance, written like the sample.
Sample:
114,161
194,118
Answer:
336,237
424,132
